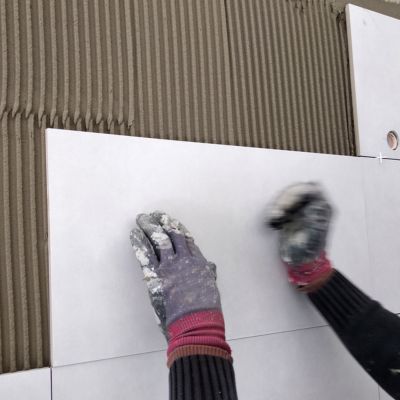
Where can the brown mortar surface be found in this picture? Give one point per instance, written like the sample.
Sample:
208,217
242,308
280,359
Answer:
264,73
387,7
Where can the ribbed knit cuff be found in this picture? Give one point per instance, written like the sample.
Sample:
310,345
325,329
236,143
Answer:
198,350
204,328
340,302
202,377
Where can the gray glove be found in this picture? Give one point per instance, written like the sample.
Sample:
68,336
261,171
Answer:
180,280
302,214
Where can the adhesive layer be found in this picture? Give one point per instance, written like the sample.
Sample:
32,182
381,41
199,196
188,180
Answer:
267,73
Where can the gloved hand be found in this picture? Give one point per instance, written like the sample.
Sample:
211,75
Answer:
181,283
302,214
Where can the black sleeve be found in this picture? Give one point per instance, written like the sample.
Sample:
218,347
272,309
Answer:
370,332
202,377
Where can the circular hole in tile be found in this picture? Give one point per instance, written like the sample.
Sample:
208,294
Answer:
392,140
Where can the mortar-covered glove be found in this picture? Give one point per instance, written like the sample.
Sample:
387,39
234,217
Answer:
182,287
302,214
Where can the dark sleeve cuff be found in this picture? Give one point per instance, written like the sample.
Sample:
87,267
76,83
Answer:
341,303
369,332
202,377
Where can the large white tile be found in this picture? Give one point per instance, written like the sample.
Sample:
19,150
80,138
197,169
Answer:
309,364
383,395
126,378
375,64
27,385
98,183
382,196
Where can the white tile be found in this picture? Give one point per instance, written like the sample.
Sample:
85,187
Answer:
127,378
383,395
98,183
27,385
308,364
375,64
382,196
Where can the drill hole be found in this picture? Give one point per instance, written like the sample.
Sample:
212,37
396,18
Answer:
393,140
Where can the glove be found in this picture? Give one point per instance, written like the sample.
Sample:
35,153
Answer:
302,215
181,285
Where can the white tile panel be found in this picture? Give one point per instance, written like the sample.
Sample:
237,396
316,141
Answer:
384,395
375,64
306,364
98,183
135,377
34,384
382,195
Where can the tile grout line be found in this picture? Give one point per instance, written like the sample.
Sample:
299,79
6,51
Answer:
163,350
51,383
378,158
278,333
109,358
367,227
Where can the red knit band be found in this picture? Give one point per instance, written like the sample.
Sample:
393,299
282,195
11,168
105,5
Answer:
308,273
205,328
195,350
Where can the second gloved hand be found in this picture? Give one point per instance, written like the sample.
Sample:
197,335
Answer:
302,214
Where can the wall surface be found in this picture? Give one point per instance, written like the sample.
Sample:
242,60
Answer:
97,290
265,73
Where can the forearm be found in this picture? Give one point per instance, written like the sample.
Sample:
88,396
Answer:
200,358
183,291
202,377
370,332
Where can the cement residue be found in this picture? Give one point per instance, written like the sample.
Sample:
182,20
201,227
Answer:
388,7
